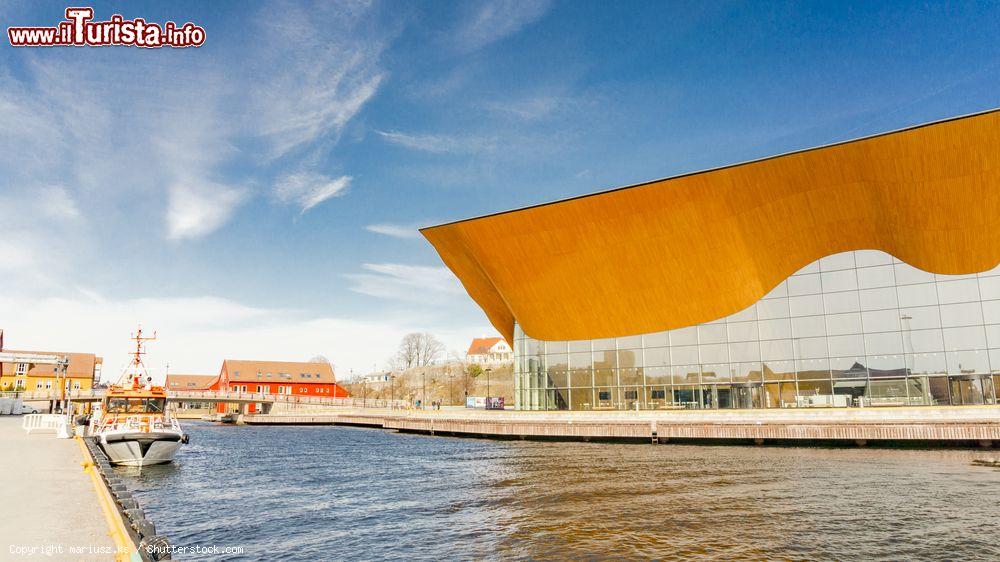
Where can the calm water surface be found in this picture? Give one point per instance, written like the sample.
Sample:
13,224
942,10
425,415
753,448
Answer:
321,493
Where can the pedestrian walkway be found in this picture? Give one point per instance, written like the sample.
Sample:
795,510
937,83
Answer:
49,506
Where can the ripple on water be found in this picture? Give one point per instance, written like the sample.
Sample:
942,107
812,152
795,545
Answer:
319,493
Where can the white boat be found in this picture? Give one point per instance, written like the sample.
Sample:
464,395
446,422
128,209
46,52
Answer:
133,426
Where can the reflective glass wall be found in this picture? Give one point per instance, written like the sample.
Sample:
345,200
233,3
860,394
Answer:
853,329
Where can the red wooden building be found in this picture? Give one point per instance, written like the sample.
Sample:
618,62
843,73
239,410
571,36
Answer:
277,377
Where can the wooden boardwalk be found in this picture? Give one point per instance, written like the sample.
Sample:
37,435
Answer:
972,425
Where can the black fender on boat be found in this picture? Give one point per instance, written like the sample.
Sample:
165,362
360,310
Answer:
185,438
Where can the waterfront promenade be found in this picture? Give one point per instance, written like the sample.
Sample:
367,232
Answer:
967,425
50,503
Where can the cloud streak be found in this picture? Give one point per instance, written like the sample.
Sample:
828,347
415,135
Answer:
438,144
308,189
490,21
394,230
410,283
198,208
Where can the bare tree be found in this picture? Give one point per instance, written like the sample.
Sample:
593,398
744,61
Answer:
418,349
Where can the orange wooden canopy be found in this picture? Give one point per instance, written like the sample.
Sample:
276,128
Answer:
691,249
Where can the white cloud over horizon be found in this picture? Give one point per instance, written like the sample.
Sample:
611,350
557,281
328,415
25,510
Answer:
196,209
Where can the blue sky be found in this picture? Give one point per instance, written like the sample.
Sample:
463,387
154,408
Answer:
258,197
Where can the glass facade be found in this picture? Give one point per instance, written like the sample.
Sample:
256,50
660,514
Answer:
854,329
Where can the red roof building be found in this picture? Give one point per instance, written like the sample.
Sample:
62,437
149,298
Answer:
278,377
489,351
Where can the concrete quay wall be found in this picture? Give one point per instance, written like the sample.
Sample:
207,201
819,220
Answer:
962,425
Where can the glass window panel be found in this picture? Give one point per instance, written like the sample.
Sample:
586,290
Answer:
964,314
807,369
781,290
656,339
604,377
775,329
872,277
683,374
629,358
558,379
993,338
881,366
774,308
745,351
926,363
811,268
684,355
630,342
532,347
810,348
712,372
629,376
880,320
809,305
848,367
749,313
555,347
657,375
866,258
966,362
846,323
604,359
843,260
920,318
747,372
836,303
742,331
579,345
956,339
779,370
991,312
804,285
581,377
684,336
878,299
881,344
580,360
604,345
776,350
921,341
556,361
943,277
714,353
906,274
917,295
989,288
808,326
844,280
965,290
712,333
656,356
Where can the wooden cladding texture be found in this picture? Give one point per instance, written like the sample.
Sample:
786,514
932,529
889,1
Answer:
694,248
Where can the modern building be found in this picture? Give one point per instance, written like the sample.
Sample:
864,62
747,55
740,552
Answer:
489,351
82,373
858,274
278,377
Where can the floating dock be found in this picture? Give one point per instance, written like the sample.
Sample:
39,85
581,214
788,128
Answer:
966,425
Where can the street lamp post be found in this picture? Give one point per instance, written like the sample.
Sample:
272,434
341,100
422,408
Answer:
488,371
423,398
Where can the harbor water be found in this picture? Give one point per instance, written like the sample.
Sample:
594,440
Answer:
330,493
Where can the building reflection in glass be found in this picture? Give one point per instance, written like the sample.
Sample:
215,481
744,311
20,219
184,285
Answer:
854,329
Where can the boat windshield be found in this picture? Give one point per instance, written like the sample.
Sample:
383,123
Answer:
136,405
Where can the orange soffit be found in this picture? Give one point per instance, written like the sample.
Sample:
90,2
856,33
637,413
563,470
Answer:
693,248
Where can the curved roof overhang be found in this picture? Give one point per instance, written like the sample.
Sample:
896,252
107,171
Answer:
690,249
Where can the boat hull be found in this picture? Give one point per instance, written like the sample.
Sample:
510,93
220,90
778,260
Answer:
141,449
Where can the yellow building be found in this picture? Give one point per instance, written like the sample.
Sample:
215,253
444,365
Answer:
83,372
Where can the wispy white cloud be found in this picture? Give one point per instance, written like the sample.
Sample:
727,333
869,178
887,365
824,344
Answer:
414,283
322,67
56,202
489,21
308,189
440,144
196,208
394,230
